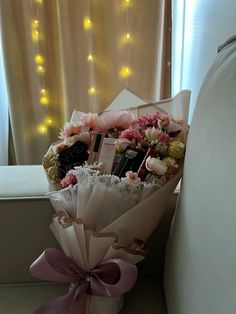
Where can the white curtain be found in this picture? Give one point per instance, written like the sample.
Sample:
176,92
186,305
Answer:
199,27
60,55
4,130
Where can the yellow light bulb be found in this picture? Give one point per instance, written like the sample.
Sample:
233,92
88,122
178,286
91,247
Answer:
127,38
40,69
92,91
44,100
39,1
43,92
35,35
87,23
126,4
42,129
39,59
35,23
90,58
48,121
125,72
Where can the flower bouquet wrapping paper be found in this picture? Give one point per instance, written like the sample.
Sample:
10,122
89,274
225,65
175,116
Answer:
106,208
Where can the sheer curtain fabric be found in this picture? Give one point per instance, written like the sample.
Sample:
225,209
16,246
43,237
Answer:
90,49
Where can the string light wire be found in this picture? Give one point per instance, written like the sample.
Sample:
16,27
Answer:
92,90
40,67
126,71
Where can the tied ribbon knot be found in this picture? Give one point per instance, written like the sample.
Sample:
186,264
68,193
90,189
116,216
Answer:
109,278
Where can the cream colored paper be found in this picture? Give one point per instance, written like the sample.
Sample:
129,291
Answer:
87,249
119,213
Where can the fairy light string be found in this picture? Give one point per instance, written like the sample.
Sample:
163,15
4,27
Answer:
40,66
88,29
125,70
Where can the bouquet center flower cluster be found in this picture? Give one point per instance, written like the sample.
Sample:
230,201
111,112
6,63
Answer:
149,148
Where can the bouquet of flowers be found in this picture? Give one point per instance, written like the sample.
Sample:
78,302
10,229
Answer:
114,172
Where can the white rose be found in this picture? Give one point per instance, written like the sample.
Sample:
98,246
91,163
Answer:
156,165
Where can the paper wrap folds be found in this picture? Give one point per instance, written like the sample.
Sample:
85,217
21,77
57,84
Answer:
102,218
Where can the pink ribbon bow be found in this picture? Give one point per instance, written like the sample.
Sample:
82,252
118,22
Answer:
109,278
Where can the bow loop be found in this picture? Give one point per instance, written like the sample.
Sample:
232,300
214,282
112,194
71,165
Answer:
109,278
54,265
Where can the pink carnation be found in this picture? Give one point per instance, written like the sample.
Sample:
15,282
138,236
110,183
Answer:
70,129
70,178
157,120
132,177
131,134
88,120
163,138
145,121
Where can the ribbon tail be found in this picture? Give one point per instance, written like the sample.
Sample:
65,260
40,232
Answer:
56,305
68,302
79,305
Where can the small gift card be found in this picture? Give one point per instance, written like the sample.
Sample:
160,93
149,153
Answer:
107,153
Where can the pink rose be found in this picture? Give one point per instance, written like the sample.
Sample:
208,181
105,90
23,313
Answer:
114,120
156,165
70,178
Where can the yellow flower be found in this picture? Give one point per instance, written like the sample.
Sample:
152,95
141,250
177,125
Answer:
51,164
53,174
176,149
171,164
48,160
